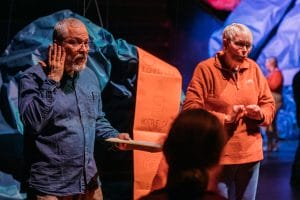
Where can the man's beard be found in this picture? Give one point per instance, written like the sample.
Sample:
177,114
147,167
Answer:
78,68
78,63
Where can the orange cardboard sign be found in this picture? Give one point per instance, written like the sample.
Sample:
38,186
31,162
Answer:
157,104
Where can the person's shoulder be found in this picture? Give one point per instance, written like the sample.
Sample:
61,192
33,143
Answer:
88,71
278,72
210,60
88,77
206,64
253,66
35,70
251,62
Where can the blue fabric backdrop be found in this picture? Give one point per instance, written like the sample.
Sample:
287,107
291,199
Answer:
275,26
285,43
262,17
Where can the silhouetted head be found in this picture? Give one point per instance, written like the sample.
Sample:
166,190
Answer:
194,144
271,64
195,140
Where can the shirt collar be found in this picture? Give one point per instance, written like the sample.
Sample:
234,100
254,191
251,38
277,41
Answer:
218,62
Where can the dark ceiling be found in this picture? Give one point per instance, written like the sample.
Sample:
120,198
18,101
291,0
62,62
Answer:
145,23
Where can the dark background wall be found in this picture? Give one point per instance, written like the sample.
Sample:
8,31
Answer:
164,28
144,23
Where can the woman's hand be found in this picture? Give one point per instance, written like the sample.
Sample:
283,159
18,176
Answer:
238,111
254,112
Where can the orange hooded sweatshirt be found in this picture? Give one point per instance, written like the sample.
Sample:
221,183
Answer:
216,89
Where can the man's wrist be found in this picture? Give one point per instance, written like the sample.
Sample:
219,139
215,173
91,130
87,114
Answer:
53,78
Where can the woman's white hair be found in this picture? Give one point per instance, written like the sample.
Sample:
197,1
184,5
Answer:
234,29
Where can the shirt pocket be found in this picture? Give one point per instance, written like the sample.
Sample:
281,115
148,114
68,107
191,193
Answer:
93,103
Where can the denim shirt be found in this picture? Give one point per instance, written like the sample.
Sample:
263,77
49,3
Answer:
61,121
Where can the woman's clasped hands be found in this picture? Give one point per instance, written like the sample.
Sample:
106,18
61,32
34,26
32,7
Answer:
252,111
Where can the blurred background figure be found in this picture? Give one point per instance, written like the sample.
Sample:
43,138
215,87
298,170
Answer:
275,81
192,150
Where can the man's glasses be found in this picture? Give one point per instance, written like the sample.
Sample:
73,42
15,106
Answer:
76,43
241,44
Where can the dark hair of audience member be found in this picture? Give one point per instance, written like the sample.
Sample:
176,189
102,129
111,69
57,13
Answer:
194,144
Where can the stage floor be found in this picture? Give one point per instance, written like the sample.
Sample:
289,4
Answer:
275,174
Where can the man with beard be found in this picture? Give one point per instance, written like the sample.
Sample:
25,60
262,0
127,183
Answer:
232,86
60,107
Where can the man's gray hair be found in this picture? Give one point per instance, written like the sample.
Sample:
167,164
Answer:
234,29
61,28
